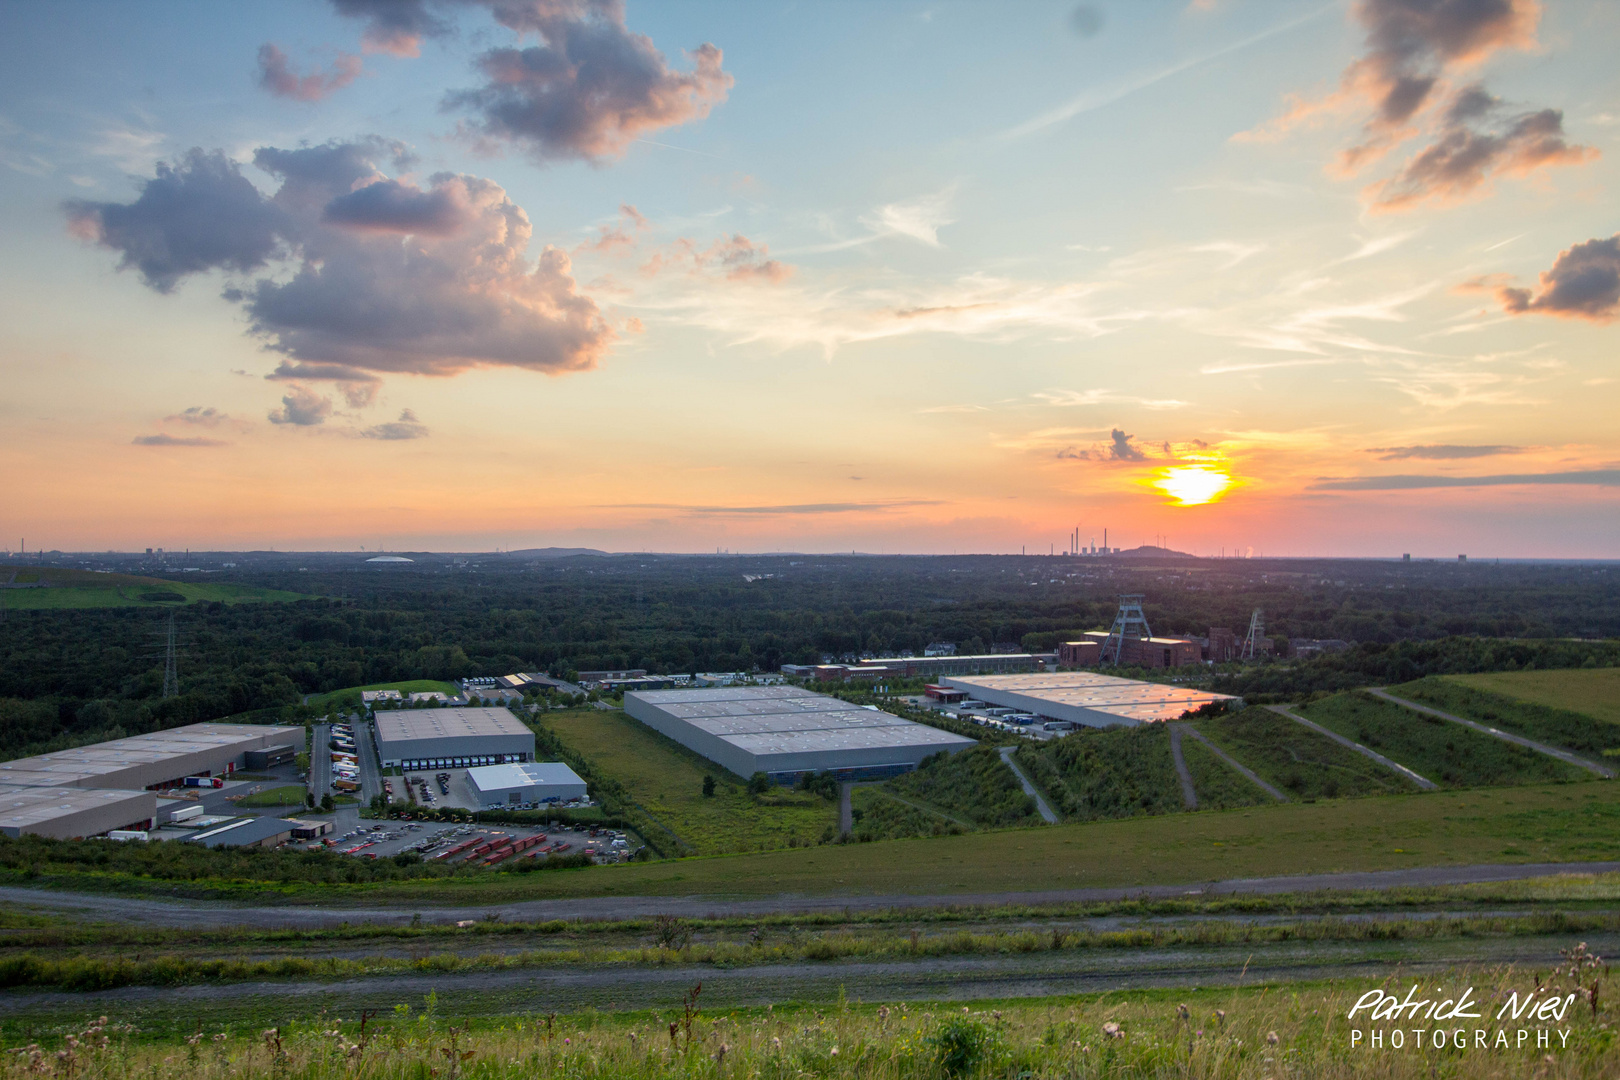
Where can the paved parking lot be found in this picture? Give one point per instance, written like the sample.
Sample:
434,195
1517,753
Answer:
435,841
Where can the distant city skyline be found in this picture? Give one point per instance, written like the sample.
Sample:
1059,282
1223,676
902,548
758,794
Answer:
457,275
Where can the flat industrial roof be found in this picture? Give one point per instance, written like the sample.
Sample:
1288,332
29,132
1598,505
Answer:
788,719
88,762
1131,699
525,774
459,723
21,807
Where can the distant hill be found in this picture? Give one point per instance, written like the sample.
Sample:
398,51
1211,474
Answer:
1152,551
551,553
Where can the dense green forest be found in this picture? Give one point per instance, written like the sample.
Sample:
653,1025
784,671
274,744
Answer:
69,674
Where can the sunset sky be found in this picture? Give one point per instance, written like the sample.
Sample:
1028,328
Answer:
889,277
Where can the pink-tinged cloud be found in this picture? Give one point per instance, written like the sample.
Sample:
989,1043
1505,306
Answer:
621,236
743,260
396,27
591,87
175,440
736,256
1466,154
1583,283
397,279
1405,84
302,407
277,76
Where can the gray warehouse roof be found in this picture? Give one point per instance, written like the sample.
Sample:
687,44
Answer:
407,724
786,729
143,755
35,809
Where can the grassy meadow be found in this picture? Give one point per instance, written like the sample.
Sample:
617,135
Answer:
89,589
1593,692
666,779
1253,1031
1448,754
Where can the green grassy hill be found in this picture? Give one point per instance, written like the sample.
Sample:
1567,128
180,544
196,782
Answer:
49,587
1593,692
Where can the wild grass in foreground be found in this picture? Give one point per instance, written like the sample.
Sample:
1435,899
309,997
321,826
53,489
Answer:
1235,1034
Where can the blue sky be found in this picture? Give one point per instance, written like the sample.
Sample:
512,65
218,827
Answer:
898,277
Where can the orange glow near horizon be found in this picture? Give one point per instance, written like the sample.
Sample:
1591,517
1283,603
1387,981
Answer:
1193,485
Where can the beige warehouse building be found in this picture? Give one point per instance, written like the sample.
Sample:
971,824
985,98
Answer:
156,760
72,813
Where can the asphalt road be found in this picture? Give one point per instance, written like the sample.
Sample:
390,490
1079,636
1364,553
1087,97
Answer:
201,913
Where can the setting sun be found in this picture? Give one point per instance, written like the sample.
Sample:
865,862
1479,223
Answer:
1193,485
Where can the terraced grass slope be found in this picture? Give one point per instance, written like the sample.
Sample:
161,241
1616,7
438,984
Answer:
1447,753
1217,785
879,815
667,780
1297,760
1106,772
974,784
1593,692
1565,728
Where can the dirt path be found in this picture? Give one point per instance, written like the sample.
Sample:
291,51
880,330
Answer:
1392,766
200,913
1518,740
846,810
1189,794
1029,789
1242,770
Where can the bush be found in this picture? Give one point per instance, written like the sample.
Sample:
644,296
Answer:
963,1045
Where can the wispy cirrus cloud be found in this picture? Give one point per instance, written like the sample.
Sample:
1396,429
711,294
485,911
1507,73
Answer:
1588,477
1441,451
780,509
165,439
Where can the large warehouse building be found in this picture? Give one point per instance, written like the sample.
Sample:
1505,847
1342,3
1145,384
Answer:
157,760
69,813
452,738
528,782
785,732
1085,697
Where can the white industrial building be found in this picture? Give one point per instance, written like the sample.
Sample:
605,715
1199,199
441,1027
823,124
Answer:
786,731
417,739
1085,697
527,782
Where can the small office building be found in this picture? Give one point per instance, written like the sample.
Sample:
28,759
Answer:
423,739
527,782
